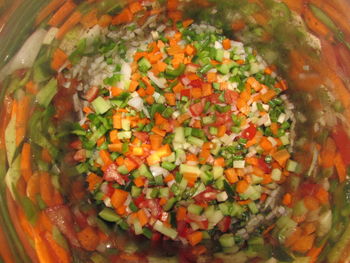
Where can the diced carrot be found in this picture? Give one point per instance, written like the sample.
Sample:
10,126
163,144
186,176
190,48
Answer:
269,95
121,210
116,91
47,10
266,144
191,178
340,167
294,237
137,151
181,213
242,186
158,131
304,244
46,156
163,201
322,195
26,162
58,59
252,160
135,7
139,181
231,175
287,199
113,136
156,141
169,178
42,250
142,216
88,238
105,21
207,89
314,252
281,157
221,131
309,228
226,43
119,197
93,181
244,202
44,222
46,188
212,77
73,20
22,119
220,161
170,98
123,17
106,157
159,119
31,87
59,251
311,203
191,157
274,128
189,50
62,13
117,120
130,165
238,25
195,238
187,22
120,160
33,186
178,87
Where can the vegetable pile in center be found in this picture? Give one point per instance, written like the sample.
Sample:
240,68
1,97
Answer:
187,138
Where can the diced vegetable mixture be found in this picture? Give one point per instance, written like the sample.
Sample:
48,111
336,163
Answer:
187,135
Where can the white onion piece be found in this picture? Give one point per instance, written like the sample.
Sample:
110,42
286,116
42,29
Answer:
157,170
26,56
136,103
160,82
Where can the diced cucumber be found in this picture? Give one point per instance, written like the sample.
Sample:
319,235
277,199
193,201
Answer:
185,168
123,169
213,130
292,166
224,69
227,240
109,215
209,120
167,231
226,208
135,191
101,105
276,174
217,147
180,155
195,209
219,183
251,193
218,172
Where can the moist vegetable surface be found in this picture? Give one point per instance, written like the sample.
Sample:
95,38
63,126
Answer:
130,134
187,135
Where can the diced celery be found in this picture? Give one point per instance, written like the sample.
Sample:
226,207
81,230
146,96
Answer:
137,227
109,215
144,65
218,172
195,141
219,183
227,240
46,94
224,69
195,209
171,158
179,135
226,208
135,191
209,120
123,169
285,140
253,208
167,231
169,204
299,208
169,166
200,189
101,105
219,55
206,177
164,192
143,171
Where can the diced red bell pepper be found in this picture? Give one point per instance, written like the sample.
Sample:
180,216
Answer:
197,109
343,143
224,224
249,133
111,174
231,97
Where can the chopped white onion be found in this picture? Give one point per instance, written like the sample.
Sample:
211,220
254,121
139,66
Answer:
160,82
157,170
136,103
